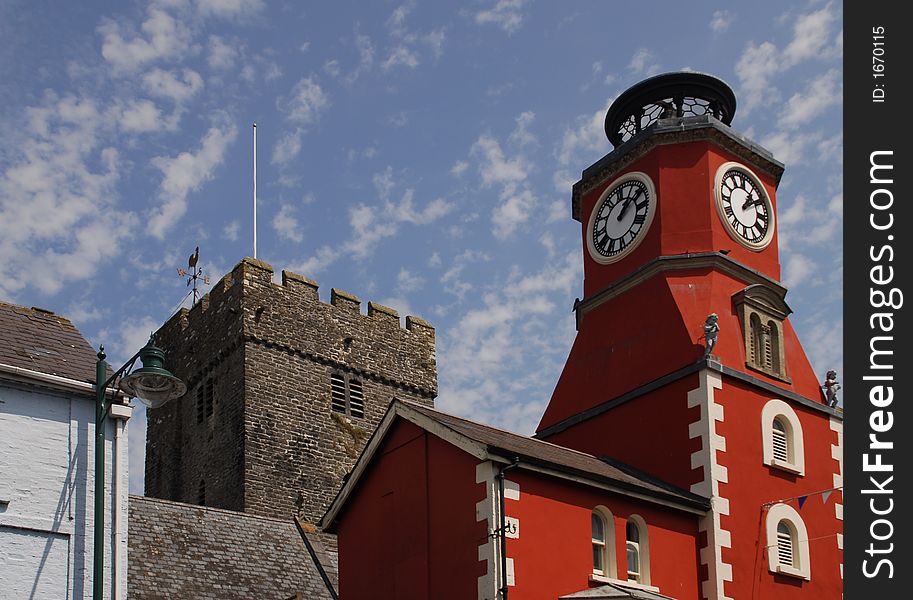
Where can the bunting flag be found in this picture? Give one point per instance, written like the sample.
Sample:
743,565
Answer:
826,495
802,500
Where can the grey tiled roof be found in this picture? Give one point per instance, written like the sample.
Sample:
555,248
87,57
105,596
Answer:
39,340
532,450
611,591
179,551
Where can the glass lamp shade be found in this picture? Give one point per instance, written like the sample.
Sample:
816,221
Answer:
152,388
153,384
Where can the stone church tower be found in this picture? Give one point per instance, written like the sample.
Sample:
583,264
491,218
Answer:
283,391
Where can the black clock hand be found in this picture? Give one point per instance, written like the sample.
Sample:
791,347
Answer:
749,202
624,208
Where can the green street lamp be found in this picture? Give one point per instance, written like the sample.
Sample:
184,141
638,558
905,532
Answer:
152,385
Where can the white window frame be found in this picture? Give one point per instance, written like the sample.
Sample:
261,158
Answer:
784,413
801,567
643,550
609,562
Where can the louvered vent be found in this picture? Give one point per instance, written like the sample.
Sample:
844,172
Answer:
784,545
780,442
201,404
356,399
338,393
209,397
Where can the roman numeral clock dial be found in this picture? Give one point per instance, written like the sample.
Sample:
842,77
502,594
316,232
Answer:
744,206
621,218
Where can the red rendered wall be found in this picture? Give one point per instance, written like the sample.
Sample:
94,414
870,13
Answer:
649,432
752,483
553,555
409,531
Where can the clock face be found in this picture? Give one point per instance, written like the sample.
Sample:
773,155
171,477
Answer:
621,218
744,206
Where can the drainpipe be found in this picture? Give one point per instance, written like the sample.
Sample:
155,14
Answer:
119,413
502,529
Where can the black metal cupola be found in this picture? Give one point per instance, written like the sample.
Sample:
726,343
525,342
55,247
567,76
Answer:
666,96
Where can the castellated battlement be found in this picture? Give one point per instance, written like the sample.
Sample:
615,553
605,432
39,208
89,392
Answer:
291,316
283,392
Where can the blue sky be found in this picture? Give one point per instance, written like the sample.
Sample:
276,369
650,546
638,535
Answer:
417,154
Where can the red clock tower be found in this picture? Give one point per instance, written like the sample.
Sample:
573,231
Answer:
685,363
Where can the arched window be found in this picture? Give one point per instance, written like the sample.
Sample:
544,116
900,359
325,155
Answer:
638,550
787,542
603,542
781,436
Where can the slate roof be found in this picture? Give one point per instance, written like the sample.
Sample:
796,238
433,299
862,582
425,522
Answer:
611,591
38,340
532,450
186,551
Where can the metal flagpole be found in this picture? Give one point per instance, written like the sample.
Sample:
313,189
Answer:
255,190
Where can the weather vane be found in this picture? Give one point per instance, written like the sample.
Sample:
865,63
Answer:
194,273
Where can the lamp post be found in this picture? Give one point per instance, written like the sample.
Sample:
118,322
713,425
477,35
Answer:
152,385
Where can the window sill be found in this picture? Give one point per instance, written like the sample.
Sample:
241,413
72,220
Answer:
786,466
791,572
631,584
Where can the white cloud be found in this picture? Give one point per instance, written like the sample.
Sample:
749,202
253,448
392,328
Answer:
229,8
435,41
143,116
404,212
506,14
822,92
587,137
230,231
493,166
643,61
831,149
306,102
163,36
408,282
59,219
758,64
323,258
720,21
401,55
811,34
167,84
331,67
287,148
521,134
789,146
508,331
383,182
222,55
286,224
798,270
368,227
186,173
514,210
396,23
459,167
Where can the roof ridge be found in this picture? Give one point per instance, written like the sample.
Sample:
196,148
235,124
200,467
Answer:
290,521
498,429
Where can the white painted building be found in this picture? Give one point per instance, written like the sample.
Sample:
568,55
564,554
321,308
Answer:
47,458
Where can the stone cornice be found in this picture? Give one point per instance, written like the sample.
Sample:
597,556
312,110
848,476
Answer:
679,262
675,131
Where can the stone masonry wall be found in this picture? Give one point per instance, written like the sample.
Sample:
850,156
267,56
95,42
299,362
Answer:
270,351
202,343
293,343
